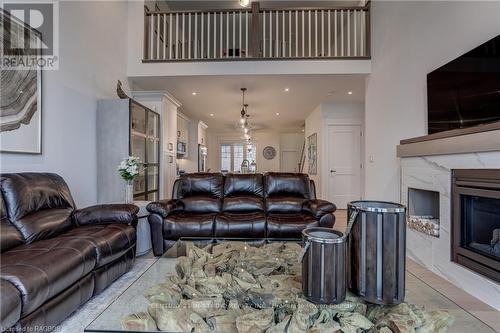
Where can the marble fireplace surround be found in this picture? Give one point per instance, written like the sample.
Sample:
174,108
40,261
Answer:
433,173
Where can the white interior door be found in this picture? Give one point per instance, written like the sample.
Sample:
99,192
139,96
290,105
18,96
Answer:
344,164
289,161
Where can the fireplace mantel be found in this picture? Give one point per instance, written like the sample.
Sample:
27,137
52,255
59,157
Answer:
475,139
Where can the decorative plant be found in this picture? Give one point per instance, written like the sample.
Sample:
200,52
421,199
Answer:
129,168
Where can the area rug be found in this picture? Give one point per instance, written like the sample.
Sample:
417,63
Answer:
90,310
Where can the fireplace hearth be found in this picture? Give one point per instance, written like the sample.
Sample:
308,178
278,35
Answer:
475,241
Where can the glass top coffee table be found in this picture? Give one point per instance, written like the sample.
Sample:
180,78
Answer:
133,299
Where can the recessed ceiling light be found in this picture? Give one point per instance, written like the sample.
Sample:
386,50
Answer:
211,115
194,93
349,92
303,130
277,113
287,89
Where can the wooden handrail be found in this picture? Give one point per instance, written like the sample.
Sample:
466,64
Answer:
205,11
155,12
252,33
312,8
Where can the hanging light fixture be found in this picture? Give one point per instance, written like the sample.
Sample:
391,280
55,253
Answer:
243,121
243,111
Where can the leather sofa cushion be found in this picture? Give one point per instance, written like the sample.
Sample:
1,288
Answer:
287,184
44,224
284,204
164,207
26,193
109,240
319,208
205,184
106,275
55,310
3,209
9,236
183,224
251,225
10,306
106,214
243,184
243,203
43,269
288,225
202,204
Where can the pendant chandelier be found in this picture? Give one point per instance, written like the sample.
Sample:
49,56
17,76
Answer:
243,123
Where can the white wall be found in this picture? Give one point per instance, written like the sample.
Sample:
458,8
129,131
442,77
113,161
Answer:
92,57
409,40
291,142
330,114
261,140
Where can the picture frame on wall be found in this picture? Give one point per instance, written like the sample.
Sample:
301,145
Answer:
20,91
312,154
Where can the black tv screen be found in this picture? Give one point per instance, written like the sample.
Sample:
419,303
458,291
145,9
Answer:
466,91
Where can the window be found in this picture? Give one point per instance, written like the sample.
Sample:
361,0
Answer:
238,157
233,154
225,157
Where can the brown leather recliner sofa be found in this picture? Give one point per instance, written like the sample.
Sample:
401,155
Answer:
255,206
55,257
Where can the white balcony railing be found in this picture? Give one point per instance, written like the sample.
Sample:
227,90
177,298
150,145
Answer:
257,33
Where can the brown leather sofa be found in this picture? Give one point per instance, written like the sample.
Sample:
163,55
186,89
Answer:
54,257
255,206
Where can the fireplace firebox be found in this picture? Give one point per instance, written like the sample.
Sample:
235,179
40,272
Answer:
475,229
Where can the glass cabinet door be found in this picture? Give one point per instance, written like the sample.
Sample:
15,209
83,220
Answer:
138,118
139,147
152,147
145,144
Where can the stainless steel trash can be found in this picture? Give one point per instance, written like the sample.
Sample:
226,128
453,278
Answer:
323,265
376,251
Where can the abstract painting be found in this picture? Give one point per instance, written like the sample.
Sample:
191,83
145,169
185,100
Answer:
20,89
312,154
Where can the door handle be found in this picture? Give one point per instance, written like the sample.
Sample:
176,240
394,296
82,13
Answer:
332,171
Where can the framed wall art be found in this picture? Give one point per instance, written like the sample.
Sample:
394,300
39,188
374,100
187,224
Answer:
312,154
20,89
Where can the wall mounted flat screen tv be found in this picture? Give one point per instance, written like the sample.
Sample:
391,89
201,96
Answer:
466,91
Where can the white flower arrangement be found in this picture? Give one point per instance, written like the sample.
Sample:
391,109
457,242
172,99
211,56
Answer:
129,168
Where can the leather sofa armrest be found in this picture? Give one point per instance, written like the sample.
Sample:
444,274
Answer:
107,214
318,208
164,207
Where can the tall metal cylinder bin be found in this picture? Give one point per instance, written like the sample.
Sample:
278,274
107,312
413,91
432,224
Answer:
376,251
323,265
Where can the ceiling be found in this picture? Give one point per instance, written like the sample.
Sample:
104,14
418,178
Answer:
212,5
266,96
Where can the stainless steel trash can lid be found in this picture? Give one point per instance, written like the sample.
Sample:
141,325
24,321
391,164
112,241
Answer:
377,206
323,235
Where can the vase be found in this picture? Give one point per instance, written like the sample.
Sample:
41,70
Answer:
129,192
